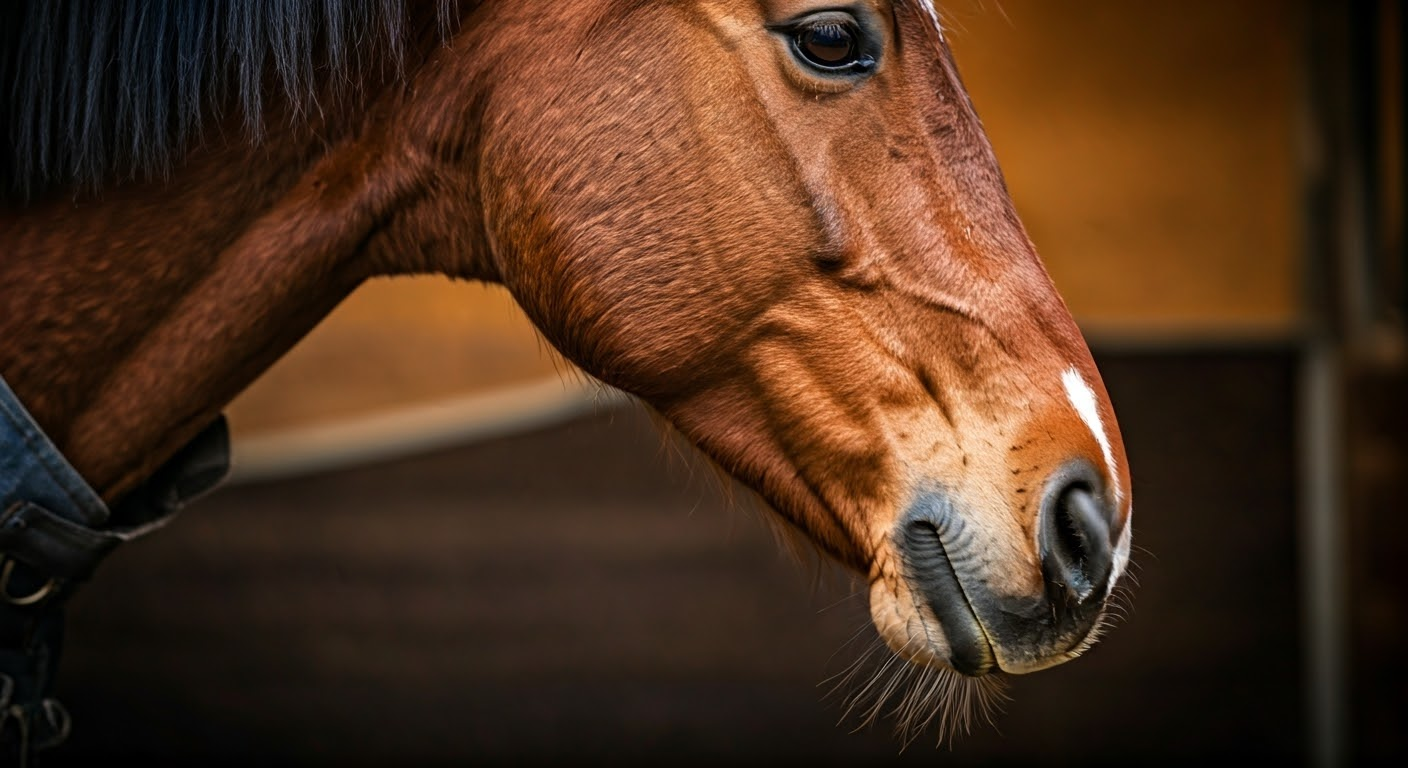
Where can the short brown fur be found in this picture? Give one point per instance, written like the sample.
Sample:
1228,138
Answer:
825,288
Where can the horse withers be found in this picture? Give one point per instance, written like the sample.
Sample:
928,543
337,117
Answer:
776,222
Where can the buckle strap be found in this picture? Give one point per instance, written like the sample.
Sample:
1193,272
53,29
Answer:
54,530
44,553
52,545
190,473
57,549
30,719
37,725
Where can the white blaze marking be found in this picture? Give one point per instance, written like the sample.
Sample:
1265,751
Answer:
1082,398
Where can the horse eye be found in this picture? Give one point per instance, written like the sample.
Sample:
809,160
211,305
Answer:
831,45
827,45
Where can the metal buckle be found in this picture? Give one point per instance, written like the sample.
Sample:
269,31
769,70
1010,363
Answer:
31,729
6,571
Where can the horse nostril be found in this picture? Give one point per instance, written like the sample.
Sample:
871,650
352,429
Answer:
933,574
1076,553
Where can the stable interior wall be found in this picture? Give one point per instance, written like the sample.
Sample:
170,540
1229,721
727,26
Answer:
574,595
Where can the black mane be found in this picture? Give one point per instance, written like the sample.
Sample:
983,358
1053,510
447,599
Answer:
98,88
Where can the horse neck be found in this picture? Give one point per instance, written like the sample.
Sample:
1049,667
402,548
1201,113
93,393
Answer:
131,318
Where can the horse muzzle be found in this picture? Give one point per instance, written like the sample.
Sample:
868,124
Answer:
974,622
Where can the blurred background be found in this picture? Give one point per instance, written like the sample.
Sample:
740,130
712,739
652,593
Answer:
441,547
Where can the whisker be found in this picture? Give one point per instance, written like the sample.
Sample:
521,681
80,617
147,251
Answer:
898,679
839,601
853,668
915,697
1145,551
854,637
863,695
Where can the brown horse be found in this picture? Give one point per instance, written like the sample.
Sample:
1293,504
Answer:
776,222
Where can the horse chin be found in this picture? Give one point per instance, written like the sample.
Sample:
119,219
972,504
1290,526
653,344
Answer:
957,582
914,633
930,621
959,642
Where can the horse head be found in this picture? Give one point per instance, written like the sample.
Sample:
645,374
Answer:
779,223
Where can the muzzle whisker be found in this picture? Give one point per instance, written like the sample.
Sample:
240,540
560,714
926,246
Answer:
845,598
933,702
841,680
862,699
897,681
992,695
918,707
863,664
875,643
902,681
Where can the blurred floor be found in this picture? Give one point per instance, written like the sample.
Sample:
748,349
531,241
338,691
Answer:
578,596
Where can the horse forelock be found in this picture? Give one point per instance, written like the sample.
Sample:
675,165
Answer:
98,88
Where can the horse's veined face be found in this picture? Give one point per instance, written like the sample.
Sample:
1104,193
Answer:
779,223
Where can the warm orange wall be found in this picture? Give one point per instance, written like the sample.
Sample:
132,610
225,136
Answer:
395,341
1148,145
1150,148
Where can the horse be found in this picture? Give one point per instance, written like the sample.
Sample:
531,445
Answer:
776,223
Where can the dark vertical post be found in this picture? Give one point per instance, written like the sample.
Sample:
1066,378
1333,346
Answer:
1356,291
1328,173
1401,250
